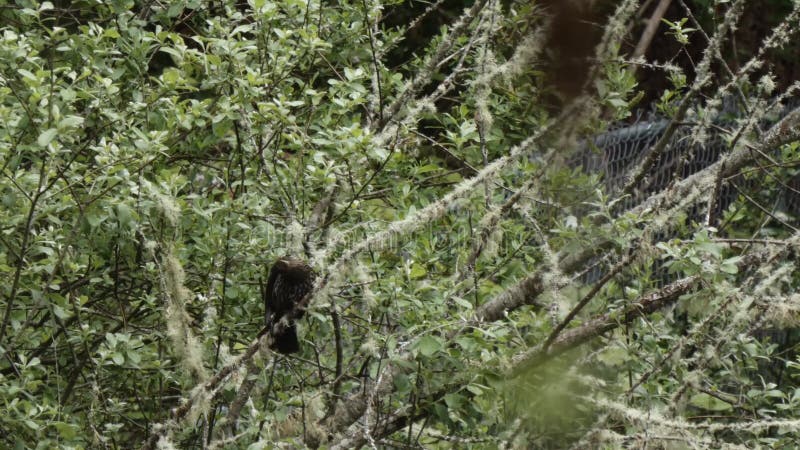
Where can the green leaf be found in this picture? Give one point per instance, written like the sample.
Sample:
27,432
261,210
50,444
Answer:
124,214
466,304
476,389
65,430
60,312
46,137
134,357
418,271
95,219
617,102
427,168
175,9
428,345
454,401
70,122
402,384
709,403
177,55
730,265
613,356
27,74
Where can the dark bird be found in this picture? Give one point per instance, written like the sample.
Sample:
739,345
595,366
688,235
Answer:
290,279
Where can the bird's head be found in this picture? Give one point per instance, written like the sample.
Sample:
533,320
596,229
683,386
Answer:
294,268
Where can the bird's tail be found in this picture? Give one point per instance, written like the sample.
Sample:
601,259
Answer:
286,342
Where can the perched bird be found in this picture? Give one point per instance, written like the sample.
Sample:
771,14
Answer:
290,279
